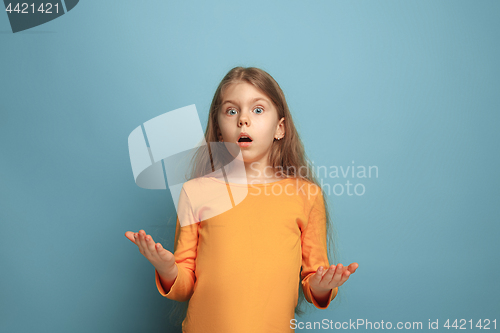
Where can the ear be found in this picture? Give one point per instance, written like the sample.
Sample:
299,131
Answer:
280,129
219,135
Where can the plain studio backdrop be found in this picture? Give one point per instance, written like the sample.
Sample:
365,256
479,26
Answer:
409,87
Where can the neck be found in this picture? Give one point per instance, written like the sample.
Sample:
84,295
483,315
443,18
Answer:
259,171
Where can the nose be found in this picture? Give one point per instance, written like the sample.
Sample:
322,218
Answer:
244,120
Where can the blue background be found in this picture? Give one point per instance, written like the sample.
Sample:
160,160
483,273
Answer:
411,87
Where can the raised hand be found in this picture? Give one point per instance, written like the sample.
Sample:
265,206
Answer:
324,280
162,259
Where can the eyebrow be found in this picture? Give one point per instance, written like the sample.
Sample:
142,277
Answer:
252,101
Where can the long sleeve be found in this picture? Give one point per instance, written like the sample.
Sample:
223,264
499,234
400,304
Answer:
314,250
185,252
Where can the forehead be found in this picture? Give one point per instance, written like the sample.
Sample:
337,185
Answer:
243,92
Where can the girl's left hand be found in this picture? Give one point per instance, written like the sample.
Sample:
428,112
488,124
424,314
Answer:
324,280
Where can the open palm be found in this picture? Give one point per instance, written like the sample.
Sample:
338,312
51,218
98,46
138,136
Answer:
335,276
162,259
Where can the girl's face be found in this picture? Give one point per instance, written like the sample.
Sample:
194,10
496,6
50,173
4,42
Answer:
246,109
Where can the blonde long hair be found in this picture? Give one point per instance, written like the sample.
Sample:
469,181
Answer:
287,155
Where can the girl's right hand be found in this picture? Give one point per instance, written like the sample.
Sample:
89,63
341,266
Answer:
162,259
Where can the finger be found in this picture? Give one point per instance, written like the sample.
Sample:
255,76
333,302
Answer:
151,245
136,241
345,276
144,243
353,267
160,250
319,274
338,273
130,236
141,241
328,274
164,253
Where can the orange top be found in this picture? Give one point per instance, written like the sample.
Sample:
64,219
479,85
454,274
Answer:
241,268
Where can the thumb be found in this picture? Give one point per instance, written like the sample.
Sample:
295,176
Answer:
164,253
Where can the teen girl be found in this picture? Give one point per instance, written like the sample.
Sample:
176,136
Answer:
243,270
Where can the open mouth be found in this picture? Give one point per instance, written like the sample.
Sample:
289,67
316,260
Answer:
245,139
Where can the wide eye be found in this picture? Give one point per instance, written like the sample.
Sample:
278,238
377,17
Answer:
228,111
258,108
